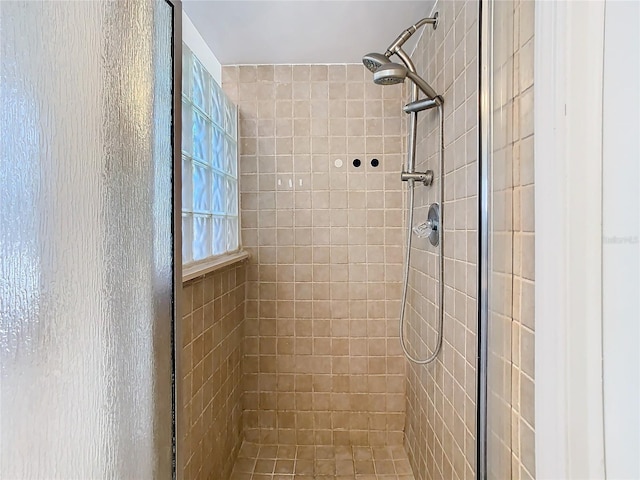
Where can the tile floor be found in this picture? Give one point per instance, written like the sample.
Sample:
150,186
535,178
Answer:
290,462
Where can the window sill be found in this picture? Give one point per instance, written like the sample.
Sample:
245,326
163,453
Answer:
200,269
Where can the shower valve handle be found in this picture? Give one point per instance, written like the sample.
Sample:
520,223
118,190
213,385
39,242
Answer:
425,177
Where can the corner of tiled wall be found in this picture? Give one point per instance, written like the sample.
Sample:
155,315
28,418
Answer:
441,398
441,424
322,364
211,372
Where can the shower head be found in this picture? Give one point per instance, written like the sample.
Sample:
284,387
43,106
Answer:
387,73
393,73
373,61
390,74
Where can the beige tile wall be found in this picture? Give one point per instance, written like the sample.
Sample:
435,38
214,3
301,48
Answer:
511,330
441,398
322,361
323,364
499,385
523,328
210,366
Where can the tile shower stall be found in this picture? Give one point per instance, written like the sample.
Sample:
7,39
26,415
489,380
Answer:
290,363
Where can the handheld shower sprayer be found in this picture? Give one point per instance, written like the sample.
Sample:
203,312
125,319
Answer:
392,73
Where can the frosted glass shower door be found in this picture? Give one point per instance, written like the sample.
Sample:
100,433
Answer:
86,242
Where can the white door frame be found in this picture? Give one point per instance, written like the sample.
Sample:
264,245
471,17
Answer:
569,41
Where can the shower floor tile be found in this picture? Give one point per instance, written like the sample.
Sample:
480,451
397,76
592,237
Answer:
291,462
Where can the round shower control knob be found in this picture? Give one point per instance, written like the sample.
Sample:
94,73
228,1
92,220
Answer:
433,221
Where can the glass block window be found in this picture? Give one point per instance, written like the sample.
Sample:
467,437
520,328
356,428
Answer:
209,165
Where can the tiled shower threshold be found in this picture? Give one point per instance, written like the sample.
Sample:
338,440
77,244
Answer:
280,462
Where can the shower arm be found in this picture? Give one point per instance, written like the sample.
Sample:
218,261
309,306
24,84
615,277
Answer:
404,36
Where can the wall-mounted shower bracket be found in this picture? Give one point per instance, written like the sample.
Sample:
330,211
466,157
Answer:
424,177
424,104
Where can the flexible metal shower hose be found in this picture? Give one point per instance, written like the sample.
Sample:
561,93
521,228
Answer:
407,262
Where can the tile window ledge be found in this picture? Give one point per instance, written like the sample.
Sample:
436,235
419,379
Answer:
199,269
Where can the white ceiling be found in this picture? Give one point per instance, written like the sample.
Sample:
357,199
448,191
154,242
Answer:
302,31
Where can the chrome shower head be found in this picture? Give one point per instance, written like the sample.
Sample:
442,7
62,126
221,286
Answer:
393,73
373,61
390,74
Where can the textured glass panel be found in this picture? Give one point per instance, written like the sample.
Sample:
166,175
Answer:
218,145
187,185
219,235
201,139
230,118
201,188
86,260
201,237
187,62
232,196
187,128
200,85
187,238
231,162
219,193
217,105
232,233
